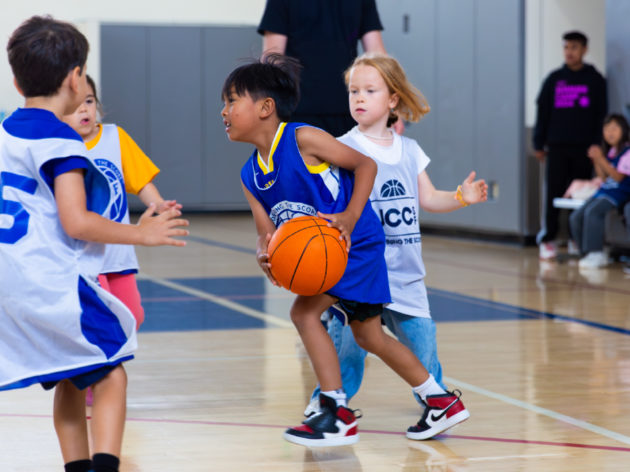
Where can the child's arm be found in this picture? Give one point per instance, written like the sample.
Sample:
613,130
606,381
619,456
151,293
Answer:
602,166
594,152
79,223
264,228
440,201
317,146
150,194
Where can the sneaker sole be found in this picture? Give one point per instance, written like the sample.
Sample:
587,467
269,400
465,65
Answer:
327,442
452,421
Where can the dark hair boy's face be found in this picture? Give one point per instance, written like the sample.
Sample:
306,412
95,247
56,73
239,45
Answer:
573,53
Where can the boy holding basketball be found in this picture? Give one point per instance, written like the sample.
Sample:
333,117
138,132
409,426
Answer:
300,170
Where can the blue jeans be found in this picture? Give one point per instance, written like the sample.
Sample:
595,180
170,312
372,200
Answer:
418,334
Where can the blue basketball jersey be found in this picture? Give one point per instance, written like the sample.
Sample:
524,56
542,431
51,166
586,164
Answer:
56,322
287,188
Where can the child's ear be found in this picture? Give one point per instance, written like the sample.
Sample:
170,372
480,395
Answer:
75,76
17,87
267,107
393,100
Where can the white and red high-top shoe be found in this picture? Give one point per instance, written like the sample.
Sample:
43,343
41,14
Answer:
332,426
443,411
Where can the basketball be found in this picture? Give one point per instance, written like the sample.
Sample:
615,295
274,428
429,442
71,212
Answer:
307,257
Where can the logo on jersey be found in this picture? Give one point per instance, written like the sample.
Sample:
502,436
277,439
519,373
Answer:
285,210
397,213
392,188
118,200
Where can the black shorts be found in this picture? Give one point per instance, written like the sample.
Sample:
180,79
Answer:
83,381
349,310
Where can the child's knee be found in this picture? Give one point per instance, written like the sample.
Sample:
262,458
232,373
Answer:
371,342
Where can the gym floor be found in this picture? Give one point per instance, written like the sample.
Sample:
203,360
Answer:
539,351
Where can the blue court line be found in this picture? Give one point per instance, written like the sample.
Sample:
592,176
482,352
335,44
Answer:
519,312
194,313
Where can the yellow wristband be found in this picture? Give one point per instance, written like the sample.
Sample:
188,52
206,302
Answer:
459,196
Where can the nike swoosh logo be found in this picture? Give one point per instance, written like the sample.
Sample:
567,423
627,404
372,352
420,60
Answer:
444,411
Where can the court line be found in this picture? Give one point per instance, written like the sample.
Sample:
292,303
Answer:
526,313
541,411
477,268
362,431
267,318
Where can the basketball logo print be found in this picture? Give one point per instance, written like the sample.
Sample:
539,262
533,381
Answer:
118,198
392,188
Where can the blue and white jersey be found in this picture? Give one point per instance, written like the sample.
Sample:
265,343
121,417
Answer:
106,155
287,188
56,322
394,198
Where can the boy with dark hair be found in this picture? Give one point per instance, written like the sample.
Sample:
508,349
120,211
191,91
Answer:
298,170
59,328
571,108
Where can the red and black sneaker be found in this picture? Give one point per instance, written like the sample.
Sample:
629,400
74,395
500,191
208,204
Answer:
443,411
332,426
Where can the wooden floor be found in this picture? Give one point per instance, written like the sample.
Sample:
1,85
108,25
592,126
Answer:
540,352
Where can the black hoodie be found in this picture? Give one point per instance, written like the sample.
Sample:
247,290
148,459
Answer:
571,108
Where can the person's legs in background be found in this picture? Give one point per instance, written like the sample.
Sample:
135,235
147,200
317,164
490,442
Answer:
592,244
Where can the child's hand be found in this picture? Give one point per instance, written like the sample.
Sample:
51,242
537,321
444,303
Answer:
343,222
159,230
595,152
262,257
166,205
474,191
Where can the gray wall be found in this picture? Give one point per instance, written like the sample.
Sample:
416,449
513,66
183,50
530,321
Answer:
618,55
162,84
467,57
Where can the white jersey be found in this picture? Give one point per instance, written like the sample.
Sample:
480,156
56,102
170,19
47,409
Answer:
56,322
395,200
106,156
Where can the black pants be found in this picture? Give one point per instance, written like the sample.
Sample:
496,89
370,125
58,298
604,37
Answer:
562,165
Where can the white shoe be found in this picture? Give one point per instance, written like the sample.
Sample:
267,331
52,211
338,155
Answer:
547,251
594,260
312,408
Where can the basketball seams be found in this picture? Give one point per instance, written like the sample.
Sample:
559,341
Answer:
303,228
299,263
321,234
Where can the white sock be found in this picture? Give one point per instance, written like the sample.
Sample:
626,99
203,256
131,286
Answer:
339,395
429,387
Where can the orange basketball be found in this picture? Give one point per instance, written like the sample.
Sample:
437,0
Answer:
307,257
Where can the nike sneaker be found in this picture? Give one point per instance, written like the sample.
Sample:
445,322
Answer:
442,411
332,426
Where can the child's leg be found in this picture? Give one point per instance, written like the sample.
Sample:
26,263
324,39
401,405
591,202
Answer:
370,336
576,226
594,215
305,314
418,334
70,422
109,411
125,288
335,424
351,358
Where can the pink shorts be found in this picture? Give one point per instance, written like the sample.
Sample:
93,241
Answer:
125,288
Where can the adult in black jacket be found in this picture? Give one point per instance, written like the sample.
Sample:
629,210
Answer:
572,105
